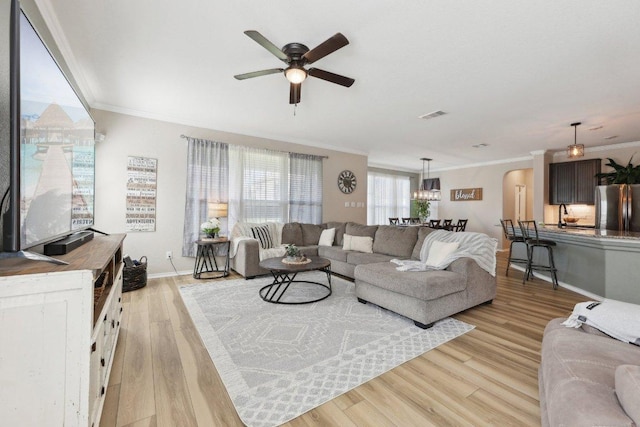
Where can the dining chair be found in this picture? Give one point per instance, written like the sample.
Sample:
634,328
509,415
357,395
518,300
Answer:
447,224
529,231
462,224
394,221
406,221
414,221
434,223
510,234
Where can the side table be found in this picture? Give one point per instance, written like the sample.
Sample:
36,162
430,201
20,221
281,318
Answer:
206,257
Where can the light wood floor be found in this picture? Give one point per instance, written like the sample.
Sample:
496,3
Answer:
163,376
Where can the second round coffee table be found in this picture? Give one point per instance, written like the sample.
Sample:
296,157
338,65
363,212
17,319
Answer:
284,275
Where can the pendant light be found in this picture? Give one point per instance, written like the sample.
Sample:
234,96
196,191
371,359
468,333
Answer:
575,150
431,194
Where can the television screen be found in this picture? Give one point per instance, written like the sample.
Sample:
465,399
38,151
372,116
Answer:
56,148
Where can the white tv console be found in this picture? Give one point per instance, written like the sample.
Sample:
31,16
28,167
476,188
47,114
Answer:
59,325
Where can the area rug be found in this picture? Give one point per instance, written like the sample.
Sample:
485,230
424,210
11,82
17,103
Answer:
280,361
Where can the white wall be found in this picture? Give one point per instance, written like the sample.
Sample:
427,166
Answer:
483,215
133,136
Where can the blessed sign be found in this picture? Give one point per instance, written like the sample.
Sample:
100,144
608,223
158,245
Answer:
462,194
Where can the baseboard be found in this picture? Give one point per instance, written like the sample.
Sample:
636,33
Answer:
169,274
561,284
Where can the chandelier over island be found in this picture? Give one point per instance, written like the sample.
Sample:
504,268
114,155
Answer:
429,188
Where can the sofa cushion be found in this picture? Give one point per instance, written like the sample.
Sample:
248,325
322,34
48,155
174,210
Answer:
357,243
422,233
333,253
628,390
311,233
396,241
361,230
578,372
292,234
358,258
340,229
262,234
309,250
424,285
327,237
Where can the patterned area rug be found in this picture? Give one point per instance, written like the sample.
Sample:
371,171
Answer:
279,361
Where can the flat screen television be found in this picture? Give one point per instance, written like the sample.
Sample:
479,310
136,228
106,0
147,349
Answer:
52,165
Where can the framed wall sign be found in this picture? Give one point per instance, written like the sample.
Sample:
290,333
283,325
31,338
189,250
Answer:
141,194
465,194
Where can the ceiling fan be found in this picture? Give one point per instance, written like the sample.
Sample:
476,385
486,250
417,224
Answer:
296,56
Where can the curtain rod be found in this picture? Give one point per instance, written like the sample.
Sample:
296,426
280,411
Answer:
183,136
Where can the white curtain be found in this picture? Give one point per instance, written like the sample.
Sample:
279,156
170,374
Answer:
258,185
388,197
207,182
305,188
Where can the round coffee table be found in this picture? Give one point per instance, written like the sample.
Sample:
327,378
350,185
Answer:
284,275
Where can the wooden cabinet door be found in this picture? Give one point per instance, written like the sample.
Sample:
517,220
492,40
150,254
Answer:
586,181
562,181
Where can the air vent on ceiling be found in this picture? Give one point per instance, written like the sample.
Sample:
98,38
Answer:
611,137
432,115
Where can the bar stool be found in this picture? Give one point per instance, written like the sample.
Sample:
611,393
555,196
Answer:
512,237
529,230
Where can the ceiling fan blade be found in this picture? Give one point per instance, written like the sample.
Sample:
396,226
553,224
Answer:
294,93
258,73
325,48
262,41
331,77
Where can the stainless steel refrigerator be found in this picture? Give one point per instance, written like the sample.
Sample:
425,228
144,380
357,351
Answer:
618,207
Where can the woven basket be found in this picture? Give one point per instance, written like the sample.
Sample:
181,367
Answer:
135,277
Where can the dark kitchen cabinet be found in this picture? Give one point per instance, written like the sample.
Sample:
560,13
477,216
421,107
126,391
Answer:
573,182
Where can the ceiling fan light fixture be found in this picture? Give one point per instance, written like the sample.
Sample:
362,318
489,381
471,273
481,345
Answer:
295,74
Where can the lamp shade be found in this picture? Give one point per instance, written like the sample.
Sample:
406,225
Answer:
295,74
575,150
217,210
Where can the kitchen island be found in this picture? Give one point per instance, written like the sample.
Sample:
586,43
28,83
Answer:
597,263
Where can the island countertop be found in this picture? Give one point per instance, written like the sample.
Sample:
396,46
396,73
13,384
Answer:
598,263
591,232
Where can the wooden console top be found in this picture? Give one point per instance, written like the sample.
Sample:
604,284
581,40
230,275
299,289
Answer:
94,255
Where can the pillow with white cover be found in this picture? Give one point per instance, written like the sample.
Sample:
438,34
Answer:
358,243
326,237
439,251
262,234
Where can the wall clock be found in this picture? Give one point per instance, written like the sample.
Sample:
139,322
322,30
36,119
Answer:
347,182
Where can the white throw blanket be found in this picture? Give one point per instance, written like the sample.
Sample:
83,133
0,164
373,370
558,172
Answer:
477,246
620,320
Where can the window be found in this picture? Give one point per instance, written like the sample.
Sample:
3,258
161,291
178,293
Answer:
259,185
388,196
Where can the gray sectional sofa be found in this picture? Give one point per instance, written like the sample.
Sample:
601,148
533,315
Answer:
587,378
423,296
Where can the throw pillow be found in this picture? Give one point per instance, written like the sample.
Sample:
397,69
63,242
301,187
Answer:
358,243
628,390
263,236
326,237
439,251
